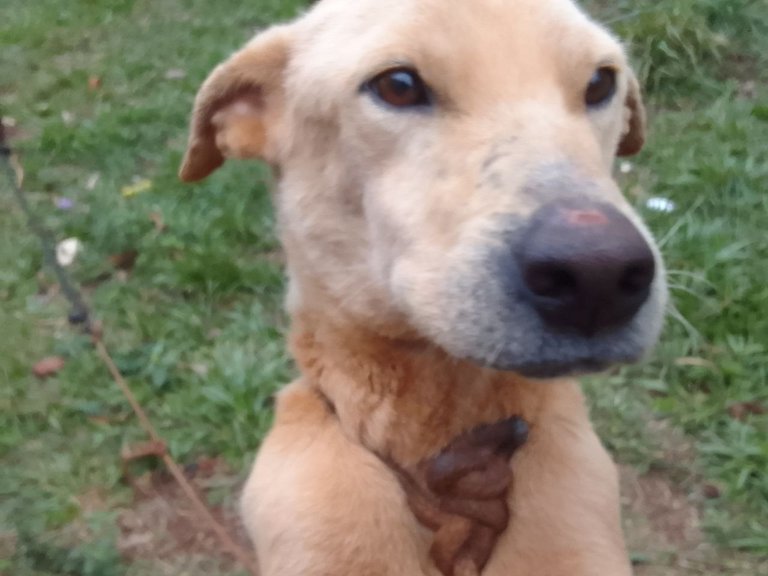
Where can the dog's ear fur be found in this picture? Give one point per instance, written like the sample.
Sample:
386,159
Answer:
633,135
236,105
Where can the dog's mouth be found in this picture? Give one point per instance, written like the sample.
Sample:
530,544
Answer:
512,337
563,361
549,370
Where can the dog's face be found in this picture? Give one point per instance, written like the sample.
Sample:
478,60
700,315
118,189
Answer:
444,170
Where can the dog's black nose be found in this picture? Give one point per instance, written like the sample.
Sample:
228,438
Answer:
585,268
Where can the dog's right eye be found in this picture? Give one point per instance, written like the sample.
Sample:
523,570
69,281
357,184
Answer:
400,88
601,88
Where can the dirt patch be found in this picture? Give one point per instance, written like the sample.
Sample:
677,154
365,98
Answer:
662,523
663,520
162,528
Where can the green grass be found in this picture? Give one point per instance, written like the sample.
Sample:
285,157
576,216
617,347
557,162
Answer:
703,63
197,327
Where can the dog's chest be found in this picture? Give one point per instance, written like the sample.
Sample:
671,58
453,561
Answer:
452,460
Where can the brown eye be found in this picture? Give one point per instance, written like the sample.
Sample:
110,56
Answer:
399,87
602,87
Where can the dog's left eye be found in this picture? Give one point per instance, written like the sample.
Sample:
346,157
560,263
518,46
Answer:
601,88
399,87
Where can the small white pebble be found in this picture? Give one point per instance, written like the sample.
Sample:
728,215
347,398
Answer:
68,117
658,204
66,251
93,179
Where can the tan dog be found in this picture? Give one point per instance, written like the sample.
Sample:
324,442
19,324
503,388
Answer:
453,237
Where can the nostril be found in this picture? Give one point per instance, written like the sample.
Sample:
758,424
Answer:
549,280
637,277
584,267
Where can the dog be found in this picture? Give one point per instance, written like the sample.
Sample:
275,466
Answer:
457,251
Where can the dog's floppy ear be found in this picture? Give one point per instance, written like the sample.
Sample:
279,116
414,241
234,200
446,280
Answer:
633,135
236,105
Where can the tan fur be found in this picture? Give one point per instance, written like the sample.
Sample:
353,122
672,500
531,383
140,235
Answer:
382,214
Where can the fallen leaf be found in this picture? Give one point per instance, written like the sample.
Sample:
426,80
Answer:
143,450
711,491
94,83
124,260
137,187
48,367
204,466
741,410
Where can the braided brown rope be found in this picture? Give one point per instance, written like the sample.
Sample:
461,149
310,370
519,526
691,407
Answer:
461,495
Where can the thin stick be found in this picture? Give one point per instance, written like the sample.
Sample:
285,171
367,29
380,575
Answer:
80,315
242,556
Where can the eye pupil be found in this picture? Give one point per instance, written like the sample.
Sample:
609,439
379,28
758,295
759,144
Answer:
400,87
401,83
602,87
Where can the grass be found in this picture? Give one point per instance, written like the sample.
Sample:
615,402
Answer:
101,90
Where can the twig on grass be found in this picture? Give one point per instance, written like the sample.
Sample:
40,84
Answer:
80,316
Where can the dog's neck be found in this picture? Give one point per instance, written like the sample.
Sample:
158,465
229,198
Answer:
405,399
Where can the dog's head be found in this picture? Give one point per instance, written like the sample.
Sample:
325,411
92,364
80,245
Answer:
444,170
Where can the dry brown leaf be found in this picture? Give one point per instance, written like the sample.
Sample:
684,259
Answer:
124,260
711,491
741,410
48,367
143,450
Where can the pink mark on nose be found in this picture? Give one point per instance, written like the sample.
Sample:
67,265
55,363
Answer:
586,217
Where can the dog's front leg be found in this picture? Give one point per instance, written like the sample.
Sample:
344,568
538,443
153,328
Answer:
319,504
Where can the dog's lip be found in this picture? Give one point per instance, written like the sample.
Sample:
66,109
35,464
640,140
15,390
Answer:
558,370
571,367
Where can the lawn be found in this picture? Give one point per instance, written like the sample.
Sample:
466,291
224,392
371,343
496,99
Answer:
98,93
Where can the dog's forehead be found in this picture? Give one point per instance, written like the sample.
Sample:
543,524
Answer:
340,42
347,30
365,12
